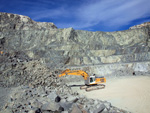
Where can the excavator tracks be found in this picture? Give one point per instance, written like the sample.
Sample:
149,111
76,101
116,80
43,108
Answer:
93,87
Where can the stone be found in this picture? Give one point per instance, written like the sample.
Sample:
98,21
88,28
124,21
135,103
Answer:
96,102
64,112
36,104
52,96
66,105
31,111
72,98
107,105
100,108
61,109
38,110
57,99
75,109
51,106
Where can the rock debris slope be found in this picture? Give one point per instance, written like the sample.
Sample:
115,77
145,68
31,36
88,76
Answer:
34,53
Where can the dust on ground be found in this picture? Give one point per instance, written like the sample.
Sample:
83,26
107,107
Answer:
131,93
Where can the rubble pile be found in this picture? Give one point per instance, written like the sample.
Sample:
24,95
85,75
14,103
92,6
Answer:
35,88
25,99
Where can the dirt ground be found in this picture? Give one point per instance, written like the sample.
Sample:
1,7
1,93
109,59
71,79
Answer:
129,93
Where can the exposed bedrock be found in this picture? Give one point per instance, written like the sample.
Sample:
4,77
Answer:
71,47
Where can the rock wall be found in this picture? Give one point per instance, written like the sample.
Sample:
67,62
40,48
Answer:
68,47
146,24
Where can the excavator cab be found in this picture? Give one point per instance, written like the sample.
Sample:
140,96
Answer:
90,80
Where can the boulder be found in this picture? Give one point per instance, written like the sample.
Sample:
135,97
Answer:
99,108
52,106
57,99
72,98
76,109
52,96
66,105
107,105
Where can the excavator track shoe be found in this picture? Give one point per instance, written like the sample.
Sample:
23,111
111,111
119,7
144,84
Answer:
83,87
91,88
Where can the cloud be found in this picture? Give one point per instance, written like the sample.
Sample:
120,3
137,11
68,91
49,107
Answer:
107,12
42,9
48,13
87,13
113,13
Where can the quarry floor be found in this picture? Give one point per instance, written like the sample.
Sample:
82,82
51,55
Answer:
131,93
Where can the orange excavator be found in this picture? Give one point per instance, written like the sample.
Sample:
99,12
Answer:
91,82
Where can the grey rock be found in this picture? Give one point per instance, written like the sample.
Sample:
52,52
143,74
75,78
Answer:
96,102
36,110
31,111
107,105
64,112
72,98
100,108
36,104
76,109
52,96
51,106
61,108
57,99
66,105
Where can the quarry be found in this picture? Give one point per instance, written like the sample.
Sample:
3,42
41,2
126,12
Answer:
33,54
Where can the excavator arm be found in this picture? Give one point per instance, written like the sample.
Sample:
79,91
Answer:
75,72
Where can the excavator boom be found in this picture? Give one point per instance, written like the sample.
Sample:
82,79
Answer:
74,72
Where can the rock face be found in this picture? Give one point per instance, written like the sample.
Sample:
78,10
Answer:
59,47
146,24
20,22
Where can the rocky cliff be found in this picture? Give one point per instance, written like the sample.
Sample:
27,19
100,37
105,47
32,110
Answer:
146,24
59,47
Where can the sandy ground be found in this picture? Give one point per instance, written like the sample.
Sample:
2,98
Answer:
129,93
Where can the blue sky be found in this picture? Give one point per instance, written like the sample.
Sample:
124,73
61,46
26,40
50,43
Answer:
91,15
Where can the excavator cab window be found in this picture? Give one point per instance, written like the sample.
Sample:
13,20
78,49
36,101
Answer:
92,79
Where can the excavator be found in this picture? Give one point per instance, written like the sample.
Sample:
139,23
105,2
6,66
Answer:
91,82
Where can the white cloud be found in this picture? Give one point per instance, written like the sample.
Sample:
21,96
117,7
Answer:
48,13
114,13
